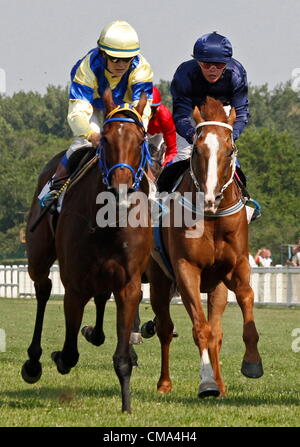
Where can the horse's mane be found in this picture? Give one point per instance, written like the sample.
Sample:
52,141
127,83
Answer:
213,110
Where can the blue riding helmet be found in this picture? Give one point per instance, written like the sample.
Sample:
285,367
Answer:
212,47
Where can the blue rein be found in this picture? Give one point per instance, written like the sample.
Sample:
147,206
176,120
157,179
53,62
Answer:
145,158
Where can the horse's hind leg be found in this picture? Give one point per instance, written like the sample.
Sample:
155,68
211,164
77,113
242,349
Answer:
95,335
68,357
32,368
160,287
216,303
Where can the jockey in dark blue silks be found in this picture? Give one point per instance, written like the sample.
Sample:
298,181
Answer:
212,72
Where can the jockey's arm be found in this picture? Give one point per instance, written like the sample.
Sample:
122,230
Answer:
79,115
182,110
169,132
82,90
139,81
240,102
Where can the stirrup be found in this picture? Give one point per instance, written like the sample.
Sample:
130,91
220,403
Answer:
257,208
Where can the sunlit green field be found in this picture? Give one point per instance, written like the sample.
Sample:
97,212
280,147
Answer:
90,395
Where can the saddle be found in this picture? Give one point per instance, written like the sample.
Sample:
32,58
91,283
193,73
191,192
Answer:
170,174
80,158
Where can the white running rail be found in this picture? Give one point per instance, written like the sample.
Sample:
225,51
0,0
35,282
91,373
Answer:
273,285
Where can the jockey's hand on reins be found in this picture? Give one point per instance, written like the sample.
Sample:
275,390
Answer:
95,138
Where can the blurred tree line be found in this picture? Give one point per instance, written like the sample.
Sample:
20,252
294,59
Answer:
33,127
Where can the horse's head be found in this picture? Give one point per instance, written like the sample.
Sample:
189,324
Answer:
123,150
214,153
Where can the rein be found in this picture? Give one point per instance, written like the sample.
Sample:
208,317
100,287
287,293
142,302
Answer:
240,204
145,154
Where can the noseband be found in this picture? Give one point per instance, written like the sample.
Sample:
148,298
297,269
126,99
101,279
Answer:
233,157
145,154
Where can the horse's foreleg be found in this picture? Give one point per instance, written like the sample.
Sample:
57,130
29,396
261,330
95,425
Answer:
188,280
135,336
252,364
127,300
160,287
95,334
68,357
32,368
216,303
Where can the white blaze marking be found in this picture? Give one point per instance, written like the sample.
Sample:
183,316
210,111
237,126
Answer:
212,143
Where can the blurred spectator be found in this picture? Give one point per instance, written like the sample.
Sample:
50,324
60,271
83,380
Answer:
296,248
252,261
263,257
295,259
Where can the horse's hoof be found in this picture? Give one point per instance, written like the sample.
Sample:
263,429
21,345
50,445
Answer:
61,367
135,338
148,329
31,374
207,389
252,370
164,388
87,332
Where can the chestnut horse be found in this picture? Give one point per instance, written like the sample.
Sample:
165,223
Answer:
210,257
95,260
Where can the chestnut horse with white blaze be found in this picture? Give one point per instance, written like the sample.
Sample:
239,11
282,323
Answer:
211,259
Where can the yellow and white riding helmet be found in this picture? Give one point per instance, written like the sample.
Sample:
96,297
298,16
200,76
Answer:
119,39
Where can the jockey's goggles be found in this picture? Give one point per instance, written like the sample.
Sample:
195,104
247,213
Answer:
115,60
207,65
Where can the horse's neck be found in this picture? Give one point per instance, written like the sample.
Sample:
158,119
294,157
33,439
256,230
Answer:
231,195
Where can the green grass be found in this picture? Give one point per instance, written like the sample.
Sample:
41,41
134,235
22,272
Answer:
90,395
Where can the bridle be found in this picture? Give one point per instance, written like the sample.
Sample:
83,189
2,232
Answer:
233,156
145,154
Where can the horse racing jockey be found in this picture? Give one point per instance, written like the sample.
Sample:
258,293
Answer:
212,72
116,63
161,128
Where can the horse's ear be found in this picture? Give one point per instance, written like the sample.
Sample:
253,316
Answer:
141,104
197,115
232,116
108,100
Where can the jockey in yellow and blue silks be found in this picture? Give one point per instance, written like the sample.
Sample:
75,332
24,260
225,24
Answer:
115,63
